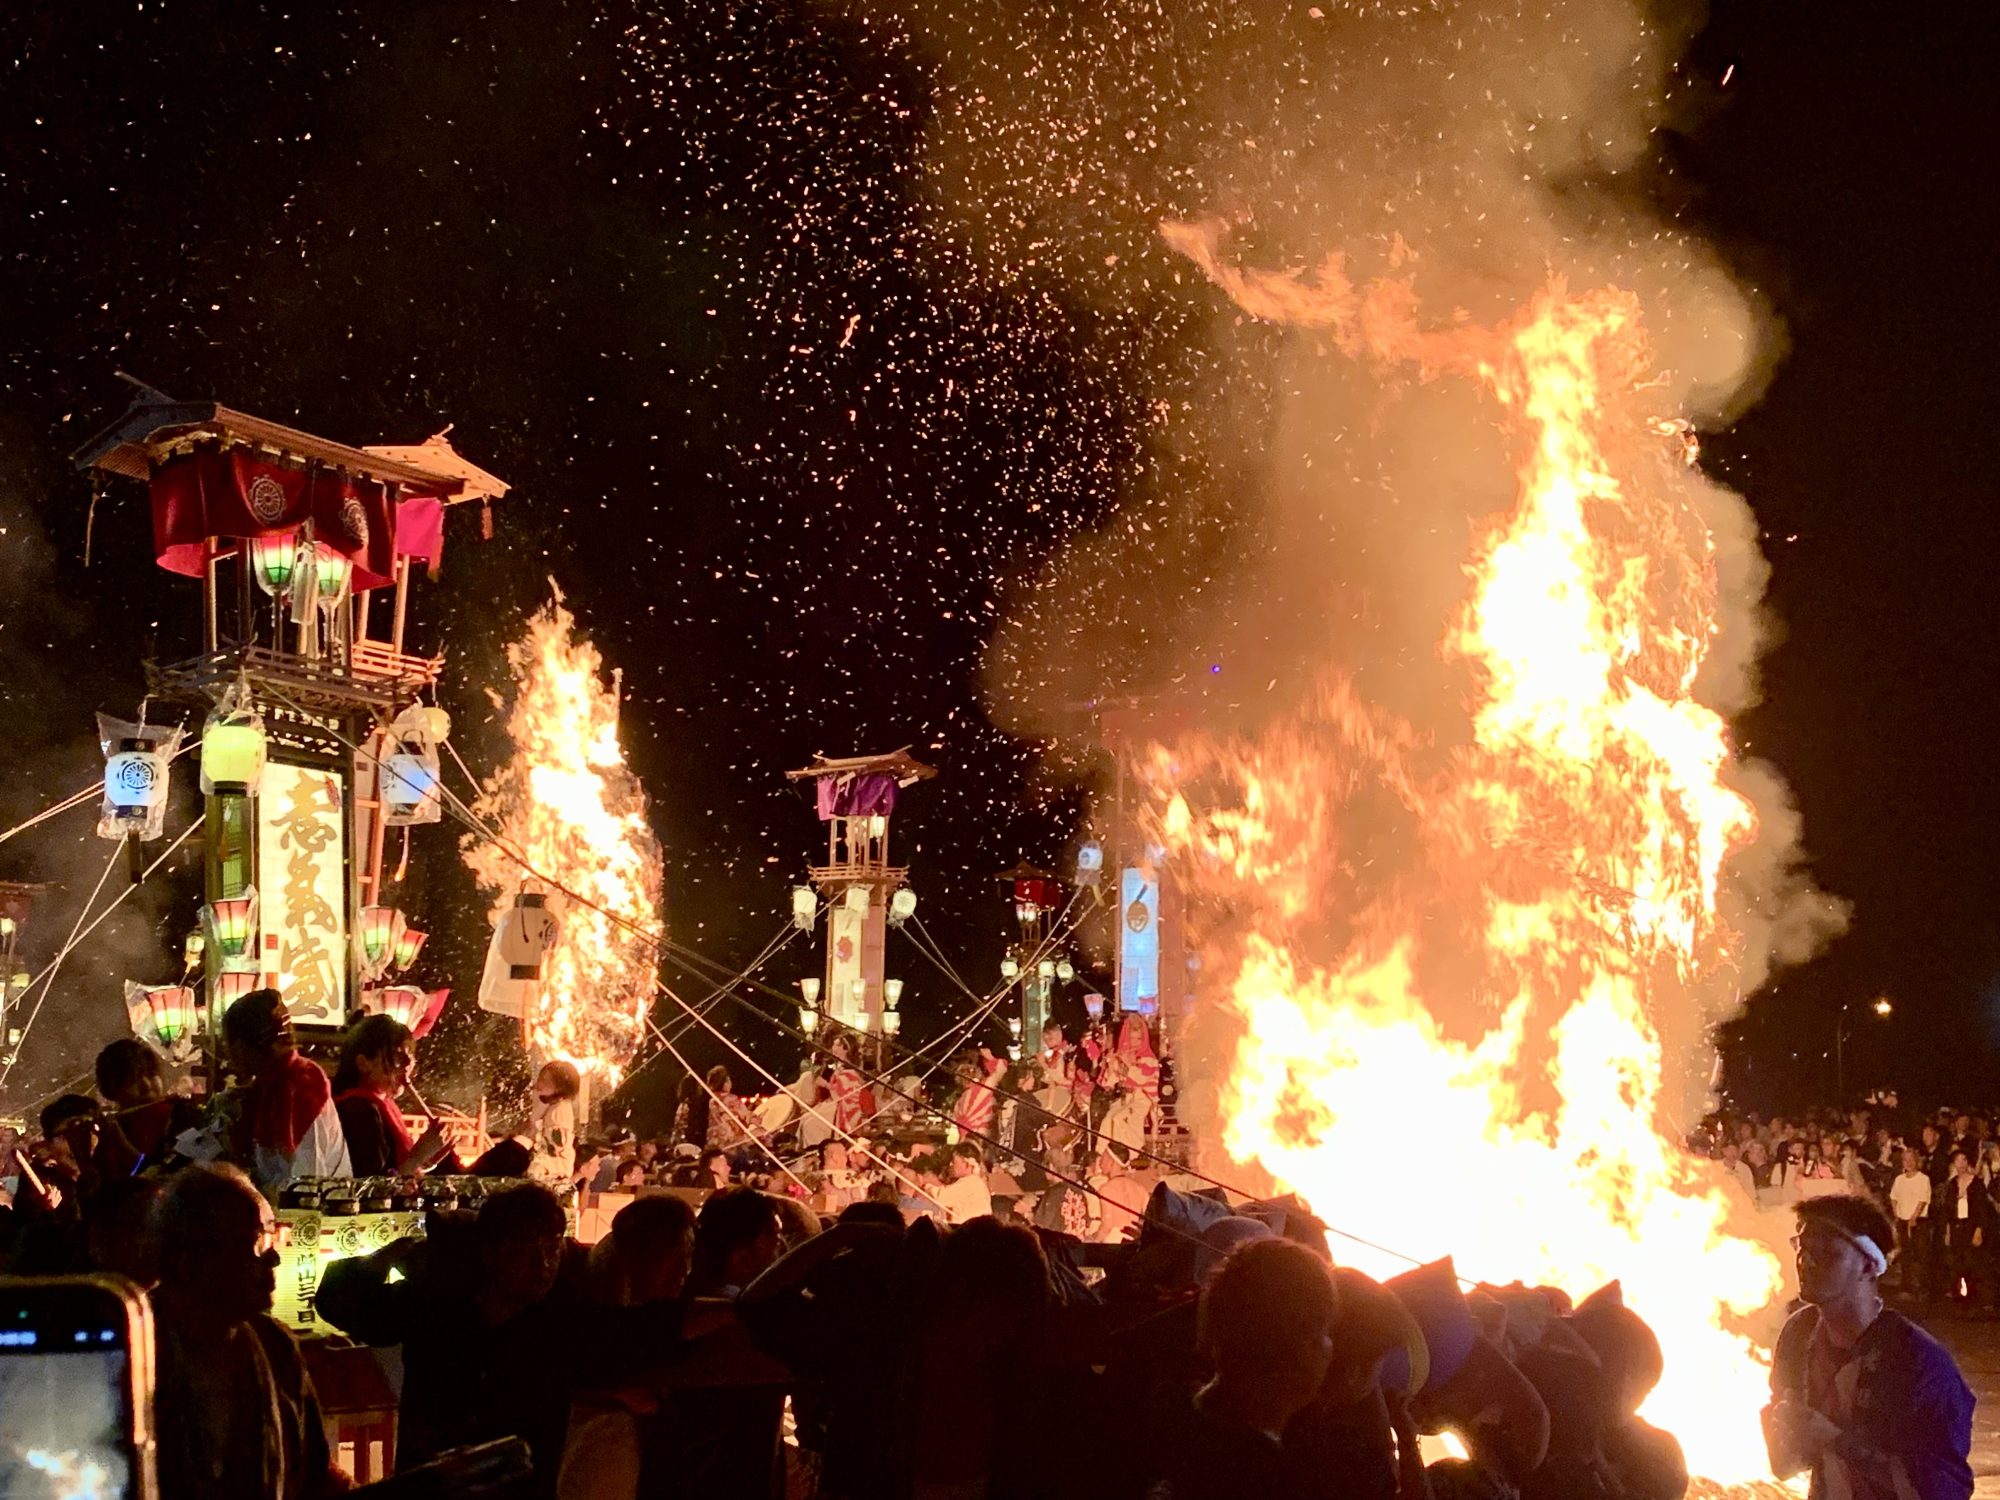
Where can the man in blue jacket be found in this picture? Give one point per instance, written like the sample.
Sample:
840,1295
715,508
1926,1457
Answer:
1867,1400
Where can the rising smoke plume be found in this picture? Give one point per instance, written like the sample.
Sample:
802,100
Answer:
1289,509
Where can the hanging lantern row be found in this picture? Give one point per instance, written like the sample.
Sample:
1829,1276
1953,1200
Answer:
280,560
137,756
387,941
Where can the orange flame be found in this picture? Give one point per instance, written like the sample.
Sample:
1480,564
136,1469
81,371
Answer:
569,806
1466,938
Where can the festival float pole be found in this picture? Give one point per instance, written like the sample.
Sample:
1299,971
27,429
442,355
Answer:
855,797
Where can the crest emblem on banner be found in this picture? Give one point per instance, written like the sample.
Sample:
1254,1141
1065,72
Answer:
266,499
354,521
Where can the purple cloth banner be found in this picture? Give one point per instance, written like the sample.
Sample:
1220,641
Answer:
869,796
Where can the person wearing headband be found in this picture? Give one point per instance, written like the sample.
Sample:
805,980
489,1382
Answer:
1869,1402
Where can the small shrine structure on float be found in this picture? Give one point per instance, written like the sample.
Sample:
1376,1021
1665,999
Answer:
318,737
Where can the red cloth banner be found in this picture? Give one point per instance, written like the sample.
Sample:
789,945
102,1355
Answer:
228,495
420,529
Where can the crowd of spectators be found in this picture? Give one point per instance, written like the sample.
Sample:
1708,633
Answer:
822,1293
1933,1172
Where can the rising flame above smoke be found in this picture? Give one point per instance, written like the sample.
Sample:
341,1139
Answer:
568,806
1466,937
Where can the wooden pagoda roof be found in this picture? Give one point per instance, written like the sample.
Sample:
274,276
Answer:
154,424
900,764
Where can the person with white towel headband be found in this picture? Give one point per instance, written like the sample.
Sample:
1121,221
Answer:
1869,1402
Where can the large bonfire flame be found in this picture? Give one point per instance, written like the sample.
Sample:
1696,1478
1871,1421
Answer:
1493,988
568,807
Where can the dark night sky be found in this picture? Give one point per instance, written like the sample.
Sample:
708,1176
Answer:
372,219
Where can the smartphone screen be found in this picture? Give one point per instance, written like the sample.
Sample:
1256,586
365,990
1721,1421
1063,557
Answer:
75,1390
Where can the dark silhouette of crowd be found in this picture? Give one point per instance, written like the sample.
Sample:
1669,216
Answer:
867,1319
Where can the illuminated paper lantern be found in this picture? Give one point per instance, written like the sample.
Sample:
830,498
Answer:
433,1008
274,561
232,922
1089,863
892,993
805,907
410,775
232,746
522,941
232,985
810,989
135,791
1009,968
332,572
136,757
902,906
892,1023
857,899
1065,971
408,945
380,929
164,1017
410,786
808,1019
414,1008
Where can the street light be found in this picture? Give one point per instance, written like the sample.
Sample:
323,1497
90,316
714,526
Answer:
1883,1007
